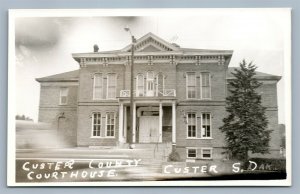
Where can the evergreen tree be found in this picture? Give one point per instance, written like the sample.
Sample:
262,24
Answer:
245,127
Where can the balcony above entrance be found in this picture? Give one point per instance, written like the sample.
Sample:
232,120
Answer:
162,93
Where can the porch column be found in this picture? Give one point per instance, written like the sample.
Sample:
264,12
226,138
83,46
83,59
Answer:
174,123
134,123
160,123
121,123
125,124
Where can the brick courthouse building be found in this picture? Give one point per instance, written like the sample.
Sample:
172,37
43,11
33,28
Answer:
179,99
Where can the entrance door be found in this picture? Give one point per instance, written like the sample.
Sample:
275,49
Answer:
148,130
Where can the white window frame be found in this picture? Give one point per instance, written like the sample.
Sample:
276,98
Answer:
137,84
106,123
210,124
187,125
163,84
201,85
187,152
211,153
107,84
150,80
92,134
94,98
60,95
186,85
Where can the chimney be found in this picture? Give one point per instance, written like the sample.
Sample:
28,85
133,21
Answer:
96,48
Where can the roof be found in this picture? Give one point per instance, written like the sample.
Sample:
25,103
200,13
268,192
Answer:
259,75
66,76
166,45
156,45
74,75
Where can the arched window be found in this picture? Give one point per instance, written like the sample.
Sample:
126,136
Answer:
110,124
140,85
98,86
160,84
111,85
191,85
96,124
150,83
205,85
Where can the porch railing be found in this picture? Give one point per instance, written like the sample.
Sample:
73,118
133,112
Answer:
165,92
125,93
169,92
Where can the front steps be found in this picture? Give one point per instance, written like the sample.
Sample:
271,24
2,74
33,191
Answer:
153,155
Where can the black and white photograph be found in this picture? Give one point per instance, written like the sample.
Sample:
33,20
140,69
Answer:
149,97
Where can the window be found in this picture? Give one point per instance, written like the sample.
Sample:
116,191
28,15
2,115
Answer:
160,84
205,125
96,125
150,83
191,153
206,153
140,85
98,86
191,85
111,85
191,125
205,86
63,98
110,124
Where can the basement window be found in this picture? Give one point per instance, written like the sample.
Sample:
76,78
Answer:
191,153
206,153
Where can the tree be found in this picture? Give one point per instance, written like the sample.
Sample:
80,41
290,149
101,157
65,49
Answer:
245,127
23,117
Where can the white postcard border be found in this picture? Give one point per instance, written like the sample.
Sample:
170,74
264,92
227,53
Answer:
11,134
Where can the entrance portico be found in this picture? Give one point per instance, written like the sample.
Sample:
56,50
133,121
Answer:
149,119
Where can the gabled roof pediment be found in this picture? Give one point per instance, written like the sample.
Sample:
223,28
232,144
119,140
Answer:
151,43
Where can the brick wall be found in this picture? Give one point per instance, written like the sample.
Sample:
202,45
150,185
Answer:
50,110
215,106
84,130
217,137
217,72
78,114
87,105
217,154
86,80
50,93
167,70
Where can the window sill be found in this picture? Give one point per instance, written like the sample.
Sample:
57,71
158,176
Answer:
95,137
195,159
191,160
198,99
105,99
192,138
205,159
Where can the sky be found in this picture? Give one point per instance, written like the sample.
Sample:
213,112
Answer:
43,45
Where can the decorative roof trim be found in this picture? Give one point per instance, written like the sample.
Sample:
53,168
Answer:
151,37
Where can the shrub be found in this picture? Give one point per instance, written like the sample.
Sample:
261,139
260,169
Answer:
174,157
